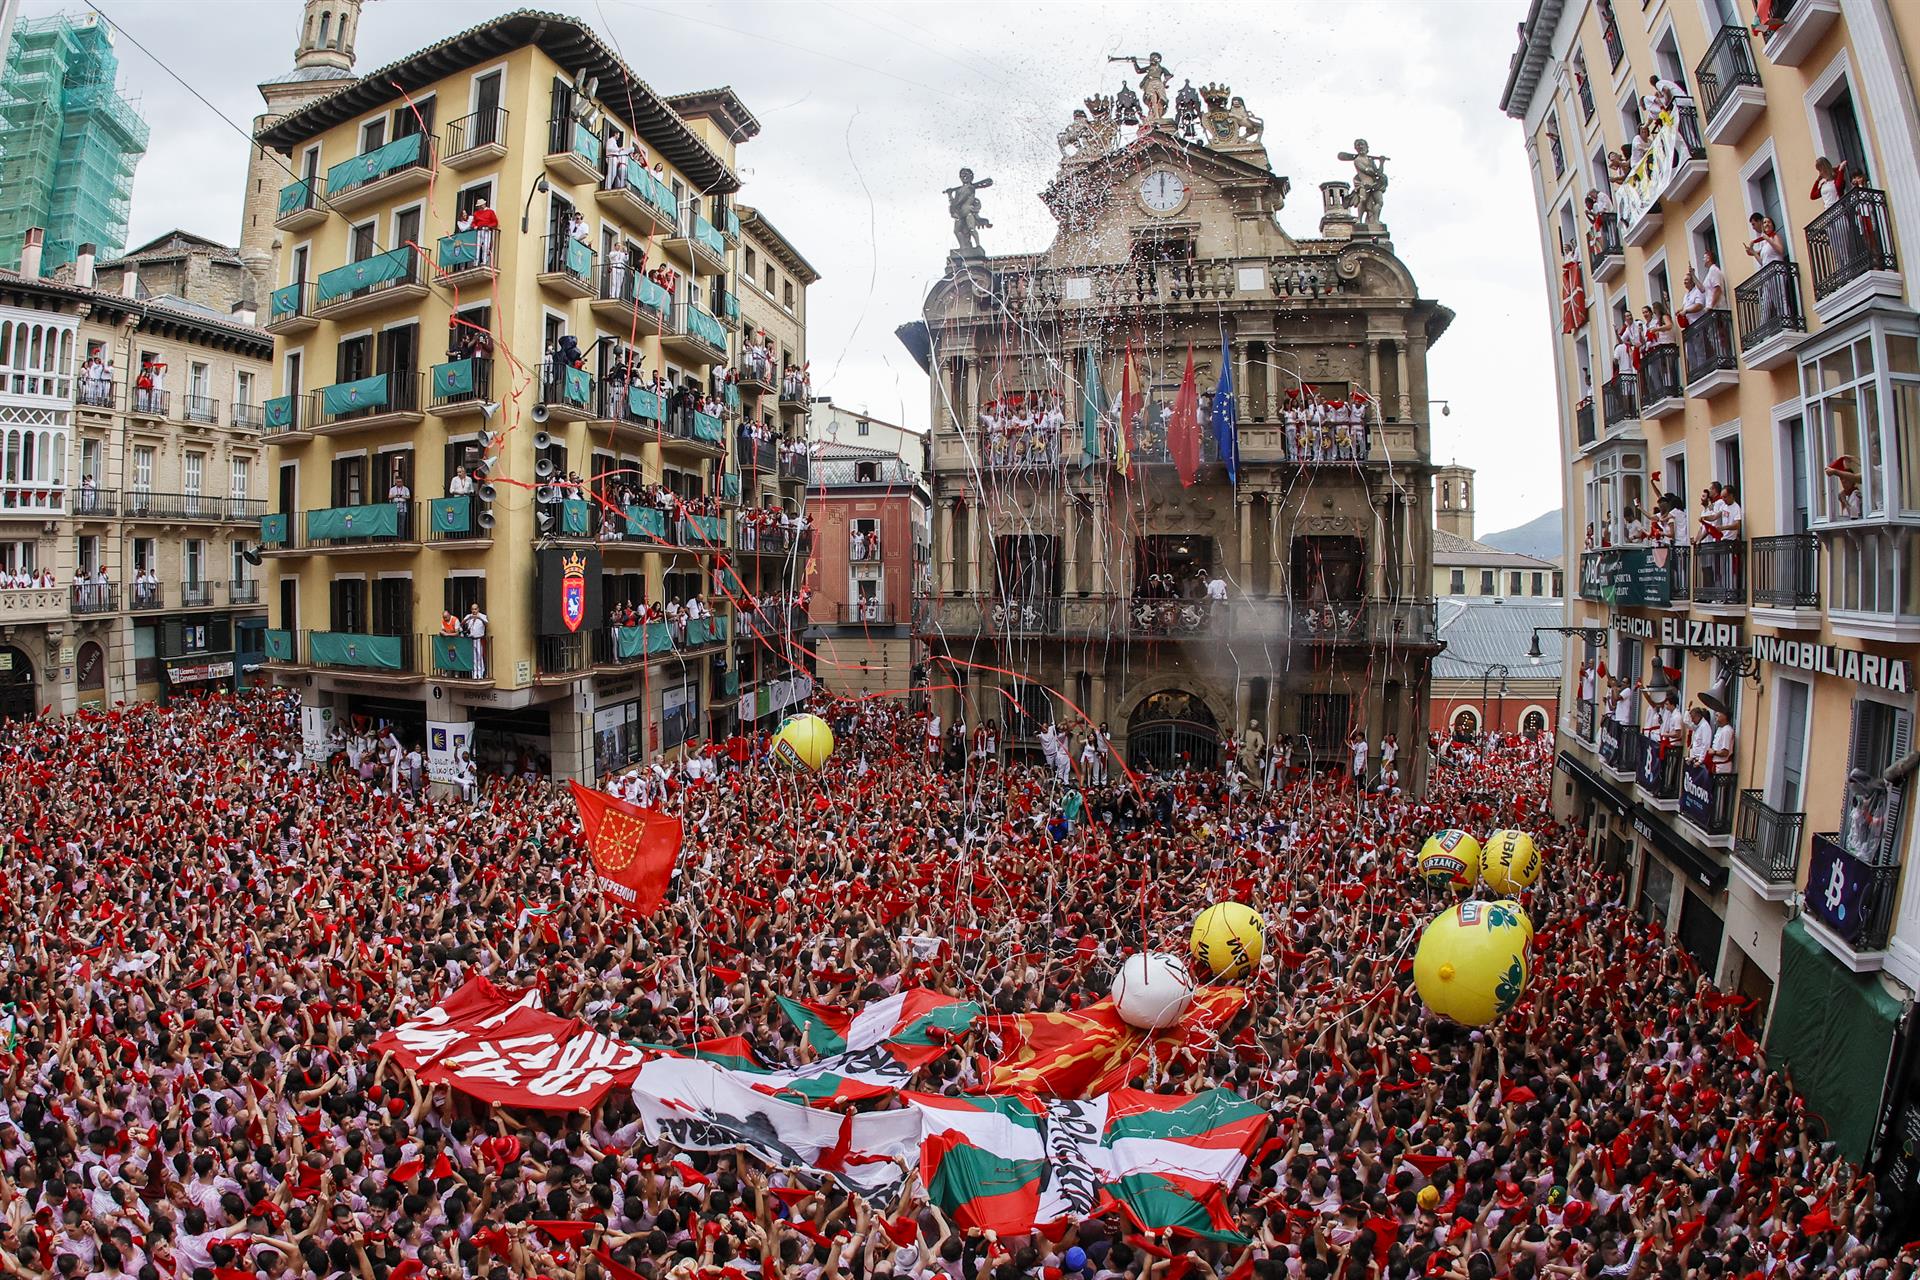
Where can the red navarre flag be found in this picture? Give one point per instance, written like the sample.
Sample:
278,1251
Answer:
633,849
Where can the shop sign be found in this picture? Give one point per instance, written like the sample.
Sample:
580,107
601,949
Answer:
1699,633
1870,669
195,675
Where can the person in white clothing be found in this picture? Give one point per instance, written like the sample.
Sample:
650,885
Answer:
1357,745
1699,739
1714,282
475,625
1720,753
617,154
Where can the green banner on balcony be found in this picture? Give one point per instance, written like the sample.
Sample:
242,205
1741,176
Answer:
706,631
730,305
294,197
733,397
454,378
576,518
352,649
278,645
278,413
1628,575
642,641
376,520
705,327
645,522
642,403
453,653
452,515
703,531
376,163
460,250
352,397
586,142
730,683
273,530
579,259
653,295
576,387
728,583
733,222
381,268
729,487
652,190
709,428
284,301
704,234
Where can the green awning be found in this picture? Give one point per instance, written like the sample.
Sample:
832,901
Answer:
381,268
453,653
376,163
377,520
351,397
1834,1030
352,649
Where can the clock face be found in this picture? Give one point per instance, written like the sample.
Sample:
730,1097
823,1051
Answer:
1163,191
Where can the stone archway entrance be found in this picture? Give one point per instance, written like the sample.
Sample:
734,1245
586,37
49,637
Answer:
1172,729
17,700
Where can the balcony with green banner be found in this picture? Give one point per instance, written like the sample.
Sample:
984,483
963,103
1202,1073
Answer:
362,395
579,258
730,306
357,649
452,655
730,683
730,584
707,237
733,223
576,518
278,415
732,396
653,296
704,327
644,641
729,487
646,522
382,269
273,530
463,251
375,522
709,429
278,645
285,302
586,144
371,166
645,405
576,387
706,631
653,191
451,519
294,197
704,532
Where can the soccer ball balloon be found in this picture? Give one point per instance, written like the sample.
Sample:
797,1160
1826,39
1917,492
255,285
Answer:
1449,860
803,742
1510,863
1228,939
1471,964
1152,990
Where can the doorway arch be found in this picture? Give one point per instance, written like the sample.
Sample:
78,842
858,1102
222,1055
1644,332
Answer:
1466,722
17,700
1171,729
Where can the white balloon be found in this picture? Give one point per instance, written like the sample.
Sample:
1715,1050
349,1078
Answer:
1152,990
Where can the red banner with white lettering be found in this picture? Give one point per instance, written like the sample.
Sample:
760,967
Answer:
502,1046
633,848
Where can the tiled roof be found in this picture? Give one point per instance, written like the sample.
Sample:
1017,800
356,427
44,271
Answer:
1451,549
1482,631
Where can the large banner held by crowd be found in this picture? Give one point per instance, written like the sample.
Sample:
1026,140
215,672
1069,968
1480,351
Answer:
1093,1050
502,1046
633,848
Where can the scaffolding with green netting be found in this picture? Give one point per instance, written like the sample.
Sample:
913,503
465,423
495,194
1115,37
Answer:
72,140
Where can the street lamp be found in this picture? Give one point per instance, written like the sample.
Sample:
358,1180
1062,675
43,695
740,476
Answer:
1592,635
1486,679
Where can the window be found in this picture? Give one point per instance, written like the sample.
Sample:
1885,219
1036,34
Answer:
1457,582
1726,461
1666,56
1763,197
1840,129
1513,583
1325,721
243,388
786,294
1796,708
239,570
90,454
145,556
1863,401
1656,890
865,428
373,134
1539,584
1616,484
143,468
752,263
195,560
88,553
769,279
1798,478
1487,583
679,715
1870,814
242,477
194,474
1559,587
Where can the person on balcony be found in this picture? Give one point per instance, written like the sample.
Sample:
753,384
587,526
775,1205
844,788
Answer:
1693,303
577,228
1829,182
1766,248
1713,282
618,153
475,625
1847,502
1720,753
486,222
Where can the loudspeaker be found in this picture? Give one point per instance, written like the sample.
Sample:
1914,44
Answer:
544,469
251,555
539,413
484,519
542,441
487,409
547,493
487,493
1715,697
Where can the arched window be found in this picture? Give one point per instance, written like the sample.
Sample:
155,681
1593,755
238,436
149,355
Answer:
326,27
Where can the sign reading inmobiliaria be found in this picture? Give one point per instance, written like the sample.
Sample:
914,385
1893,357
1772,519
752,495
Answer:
503,1047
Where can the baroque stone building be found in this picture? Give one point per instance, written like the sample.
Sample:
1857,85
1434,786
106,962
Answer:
1073,567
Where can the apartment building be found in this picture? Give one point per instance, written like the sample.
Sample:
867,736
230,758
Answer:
873,553
506,457
131,477
1768,196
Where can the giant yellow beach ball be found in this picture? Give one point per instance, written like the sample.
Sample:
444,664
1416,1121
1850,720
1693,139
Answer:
1228,939
1509,862
1471,964
1449,860
803,742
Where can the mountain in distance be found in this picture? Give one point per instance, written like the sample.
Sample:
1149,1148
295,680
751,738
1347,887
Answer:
1538,537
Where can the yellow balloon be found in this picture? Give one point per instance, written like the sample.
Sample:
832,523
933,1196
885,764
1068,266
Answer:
1449,860
803,742
1228,939
1509,863
1471,964
1523,921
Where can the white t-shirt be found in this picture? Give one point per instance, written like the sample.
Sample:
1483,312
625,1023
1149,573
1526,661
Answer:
1723,745
1701,743
1715,285
476,624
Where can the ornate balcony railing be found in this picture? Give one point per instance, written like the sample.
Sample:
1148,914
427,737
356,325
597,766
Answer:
1728,65
1786,571
1620,398
1660,373
1709,344
1720,572
1851,239
1768,304
1766,840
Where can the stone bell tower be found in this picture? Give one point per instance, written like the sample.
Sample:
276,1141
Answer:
1453,500
322,63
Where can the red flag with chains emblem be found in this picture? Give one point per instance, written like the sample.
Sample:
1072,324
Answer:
633,848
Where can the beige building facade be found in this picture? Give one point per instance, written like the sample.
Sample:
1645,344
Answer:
1077,579
1769,196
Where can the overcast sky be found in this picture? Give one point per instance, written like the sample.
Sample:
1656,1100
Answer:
867,110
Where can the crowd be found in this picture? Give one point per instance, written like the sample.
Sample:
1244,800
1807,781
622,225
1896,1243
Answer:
771,527
1315,429
208,931
1023,430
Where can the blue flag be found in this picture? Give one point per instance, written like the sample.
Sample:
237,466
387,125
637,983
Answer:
1226,414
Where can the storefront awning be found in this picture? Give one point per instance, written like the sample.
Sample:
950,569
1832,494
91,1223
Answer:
1834,1029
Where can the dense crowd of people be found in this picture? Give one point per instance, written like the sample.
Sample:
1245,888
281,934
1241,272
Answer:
207,931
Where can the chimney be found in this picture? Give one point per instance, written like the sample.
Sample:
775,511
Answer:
83,266
130,283
30,253
244,313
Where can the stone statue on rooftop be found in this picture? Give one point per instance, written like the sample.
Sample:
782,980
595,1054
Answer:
1155,77
963,205
1369,183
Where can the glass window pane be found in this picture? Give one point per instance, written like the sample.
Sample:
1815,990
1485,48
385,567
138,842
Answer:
1873,436
1863,357
1903,353
1906,421
1836,369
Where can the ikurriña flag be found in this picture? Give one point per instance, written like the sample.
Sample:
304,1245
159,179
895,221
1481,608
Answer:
633,848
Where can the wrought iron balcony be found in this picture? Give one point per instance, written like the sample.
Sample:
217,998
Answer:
1850,240
1768,303
196,595
1720,572
1583,422
1786,571
370,401
1767,841
1660,767
1661,389
1709,346
875,613
202,410
95,597
474,139
1730,90
1604,253
1707,800
1620,399
247,417
1851,896
567,265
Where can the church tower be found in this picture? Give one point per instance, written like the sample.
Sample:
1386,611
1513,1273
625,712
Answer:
322,63
1453,500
